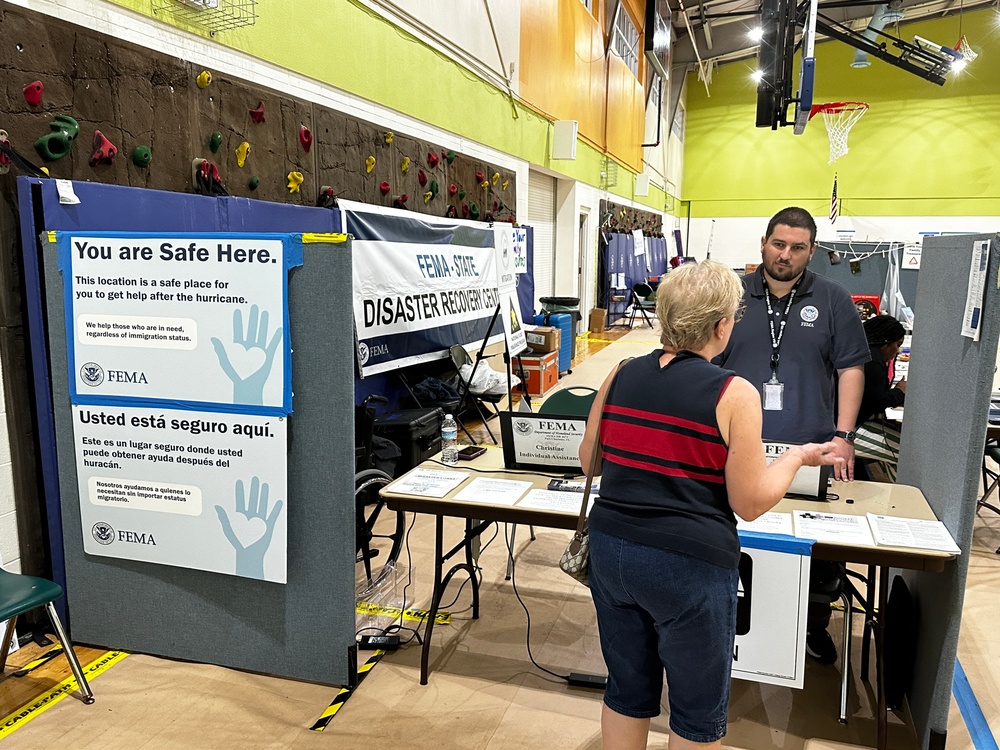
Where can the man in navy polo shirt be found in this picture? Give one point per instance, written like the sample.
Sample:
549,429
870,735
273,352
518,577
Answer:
801,342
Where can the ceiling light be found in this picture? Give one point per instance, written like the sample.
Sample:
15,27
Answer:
757,75
755,34
957,66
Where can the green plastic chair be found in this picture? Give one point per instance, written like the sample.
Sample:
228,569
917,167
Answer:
573,401
19,594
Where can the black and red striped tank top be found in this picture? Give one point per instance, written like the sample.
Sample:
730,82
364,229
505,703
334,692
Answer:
663,482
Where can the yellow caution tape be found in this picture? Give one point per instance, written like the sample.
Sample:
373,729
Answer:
52,239
340,698
443,617
23,715
33,665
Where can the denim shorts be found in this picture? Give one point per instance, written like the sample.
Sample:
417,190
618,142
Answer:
659,610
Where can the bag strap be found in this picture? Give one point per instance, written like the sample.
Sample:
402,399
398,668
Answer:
581,522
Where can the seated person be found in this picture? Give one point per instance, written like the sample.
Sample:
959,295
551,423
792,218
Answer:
877,440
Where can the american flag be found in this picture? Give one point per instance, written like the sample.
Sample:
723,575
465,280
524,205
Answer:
834,211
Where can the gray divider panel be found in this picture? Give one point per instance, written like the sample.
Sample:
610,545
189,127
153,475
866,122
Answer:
947,406
303,629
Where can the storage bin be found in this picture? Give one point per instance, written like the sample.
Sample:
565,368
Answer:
417,432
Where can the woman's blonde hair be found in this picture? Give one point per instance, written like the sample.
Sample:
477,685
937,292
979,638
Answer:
692,299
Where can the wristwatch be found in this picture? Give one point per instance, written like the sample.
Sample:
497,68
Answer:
848,436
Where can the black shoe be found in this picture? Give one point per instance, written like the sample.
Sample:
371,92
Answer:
820,646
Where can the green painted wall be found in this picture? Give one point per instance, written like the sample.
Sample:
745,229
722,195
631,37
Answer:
353,49
920,150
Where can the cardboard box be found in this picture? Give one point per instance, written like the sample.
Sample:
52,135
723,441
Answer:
749,268
598,320
544,339
541,372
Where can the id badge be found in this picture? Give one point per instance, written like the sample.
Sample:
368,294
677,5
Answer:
774,395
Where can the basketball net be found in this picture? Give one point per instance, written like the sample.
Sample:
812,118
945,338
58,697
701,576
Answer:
839,118
965,50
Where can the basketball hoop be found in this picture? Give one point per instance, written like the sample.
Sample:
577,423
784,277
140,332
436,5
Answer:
839,118
965,50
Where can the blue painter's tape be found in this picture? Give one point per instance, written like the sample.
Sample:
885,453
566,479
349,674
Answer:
972,712
791,545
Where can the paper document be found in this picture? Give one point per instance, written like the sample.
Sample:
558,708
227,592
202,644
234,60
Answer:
496,491
769,523
568,502
832,527
429,482
911,532
972,318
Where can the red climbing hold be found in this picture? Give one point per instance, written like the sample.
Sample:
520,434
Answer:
33,93
257,115
305,138
104,150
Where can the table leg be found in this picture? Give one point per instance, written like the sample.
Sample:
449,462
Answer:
883,709
869,622
425,651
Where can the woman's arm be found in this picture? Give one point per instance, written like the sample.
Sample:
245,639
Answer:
588,444
754,486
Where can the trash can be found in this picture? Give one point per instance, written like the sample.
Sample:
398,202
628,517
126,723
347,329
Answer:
570,305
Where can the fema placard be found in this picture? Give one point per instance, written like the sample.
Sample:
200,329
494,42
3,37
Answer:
542,442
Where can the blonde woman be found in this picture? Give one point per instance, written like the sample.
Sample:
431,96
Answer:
682,454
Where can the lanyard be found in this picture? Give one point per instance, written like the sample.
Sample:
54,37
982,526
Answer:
777,335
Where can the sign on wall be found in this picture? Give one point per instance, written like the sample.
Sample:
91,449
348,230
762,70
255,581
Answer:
423,284
180,379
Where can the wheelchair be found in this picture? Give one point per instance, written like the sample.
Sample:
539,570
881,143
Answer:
378,531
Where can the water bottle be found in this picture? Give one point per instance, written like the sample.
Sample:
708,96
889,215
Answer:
449,441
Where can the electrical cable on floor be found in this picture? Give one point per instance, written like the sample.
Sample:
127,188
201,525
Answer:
527,637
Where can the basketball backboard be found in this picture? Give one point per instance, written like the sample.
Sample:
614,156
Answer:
786,28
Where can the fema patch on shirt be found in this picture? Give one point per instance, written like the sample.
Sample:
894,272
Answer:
809,313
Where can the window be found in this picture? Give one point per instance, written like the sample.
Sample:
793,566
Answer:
588,4
625,41
654,91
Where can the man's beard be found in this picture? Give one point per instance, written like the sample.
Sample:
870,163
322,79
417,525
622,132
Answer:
781,273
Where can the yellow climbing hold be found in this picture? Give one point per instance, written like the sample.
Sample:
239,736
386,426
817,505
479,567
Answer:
389,136
242,152
369,164
496,176
405,164
295,180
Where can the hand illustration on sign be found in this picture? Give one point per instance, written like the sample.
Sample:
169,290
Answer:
250,366
250,529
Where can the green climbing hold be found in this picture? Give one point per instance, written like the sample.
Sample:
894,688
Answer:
473,211
450,157
141,156
461,195
215,142
254,183
56,145
434,187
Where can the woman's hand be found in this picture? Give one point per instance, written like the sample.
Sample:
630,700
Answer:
901,385
819,454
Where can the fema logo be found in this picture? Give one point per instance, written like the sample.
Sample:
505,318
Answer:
363,352
92,374
505,247
809,314
103,533
523,427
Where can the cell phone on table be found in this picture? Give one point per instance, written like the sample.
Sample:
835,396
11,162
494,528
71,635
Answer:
469,452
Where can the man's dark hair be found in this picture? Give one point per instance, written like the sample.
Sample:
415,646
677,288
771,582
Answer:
793,216
883,329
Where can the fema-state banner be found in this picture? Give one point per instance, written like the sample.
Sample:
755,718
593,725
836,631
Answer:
180,384
423,283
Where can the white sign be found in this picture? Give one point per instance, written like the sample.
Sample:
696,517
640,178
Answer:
520,235
421,284
771,609
428,482
545,442
203,490
513,326
184,318
972,319
911,256
838,528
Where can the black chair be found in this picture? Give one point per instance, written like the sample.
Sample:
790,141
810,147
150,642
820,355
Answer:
643,301
477,401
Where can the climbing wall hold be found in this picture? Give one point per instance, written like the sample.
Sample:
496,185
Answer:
104,150
404,165
421,177
295,180
257,115
141,156
215,142
242,152
465,210
485,184
369,164
495,177
305,138
452,189
56,145
450,157
253,183
504,184
480,176
385,187
204,79
428,196
432,160
33,93
434,187
400,202
461,195
473,211
389,136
